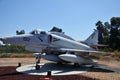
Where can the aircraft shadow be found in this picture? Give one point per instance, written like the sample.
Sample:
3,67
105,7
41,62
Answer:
104,68
65,69
57,69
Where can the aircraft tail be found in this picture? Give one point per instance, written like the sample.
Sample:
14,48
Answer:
92,39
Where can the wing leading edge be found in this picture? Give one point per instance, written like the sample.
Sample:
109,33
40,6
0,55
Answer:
77,50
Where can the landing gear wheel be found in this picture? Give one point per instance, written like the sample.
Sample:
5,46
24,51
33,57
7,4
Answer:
37,67
59,63
38,57
76,64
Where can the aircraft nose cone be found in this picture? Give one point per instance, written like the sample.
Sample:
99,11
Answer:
7,40
4,40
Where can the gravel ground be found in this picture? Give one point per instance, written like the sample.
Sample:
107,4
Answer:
8,71
102,75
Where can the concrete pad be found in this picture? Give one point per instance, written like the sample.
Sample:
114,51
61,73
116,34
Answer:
54,68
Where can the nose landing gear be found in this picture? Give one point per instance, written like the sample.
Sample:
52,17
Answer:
38,57
37,67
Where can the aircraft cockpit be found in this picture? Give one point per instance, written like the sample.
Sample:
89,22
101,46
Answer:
38,32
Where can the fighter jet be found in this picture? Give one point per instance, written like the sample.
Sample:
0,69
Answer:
56,46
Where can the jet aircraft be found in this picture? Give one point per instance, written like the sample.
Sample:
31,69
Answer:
56,46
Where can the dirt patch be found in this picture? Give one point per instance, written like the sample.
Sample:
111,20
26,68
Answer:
15,61
108,61
111,61
102,75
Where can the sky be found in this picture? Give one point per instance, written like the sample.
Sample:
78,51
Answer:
76,18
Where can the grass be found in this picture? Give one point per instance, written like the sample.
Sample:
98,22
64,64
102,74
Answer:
116,53
5,55
15,55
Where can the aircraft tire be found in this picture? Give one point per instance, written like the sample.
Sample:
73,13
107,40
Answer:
37,67
59,63
76,65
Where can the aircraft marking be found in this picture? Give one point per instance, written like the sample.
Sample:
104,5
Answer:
26,39
40,39
55,39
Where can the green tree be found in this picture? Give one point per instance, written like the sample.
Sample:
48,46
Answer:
109,33
100,28
114,40
107,28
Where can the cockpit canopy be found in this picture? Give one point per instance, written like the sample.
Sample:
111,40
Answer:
38,31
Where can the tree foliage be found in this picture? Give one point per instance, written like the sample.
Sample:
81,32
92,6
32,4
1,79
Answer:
109,33
114,40
100,27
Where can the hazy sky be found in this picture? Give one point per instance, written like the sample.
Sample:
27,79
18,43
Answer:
77,18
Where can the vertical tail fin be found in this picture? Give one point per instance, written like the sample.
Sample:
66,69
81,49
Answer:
92,39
